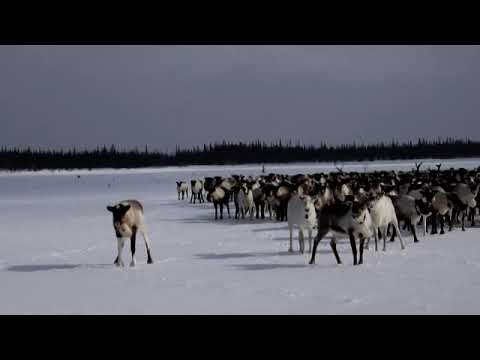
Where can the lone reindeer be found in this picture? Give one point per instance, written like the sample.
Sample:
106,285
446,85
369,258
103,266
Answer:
128,219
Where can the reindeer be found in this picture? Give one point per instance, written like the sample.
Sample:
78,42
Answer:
196,189
220,197
383,214
182,188
349,218
128,219
301,212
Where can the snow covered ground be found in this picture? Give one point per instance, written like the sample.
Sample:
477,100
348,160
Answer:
58,247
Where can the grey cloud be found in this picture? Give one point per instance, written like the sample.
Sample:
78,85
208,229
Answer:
162,96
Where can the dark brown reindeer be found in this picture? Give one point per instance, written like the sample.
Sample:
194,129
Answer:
350,219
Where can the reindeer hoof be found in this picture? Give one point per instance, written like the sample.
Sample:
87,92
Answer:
290,250
149,261
132,264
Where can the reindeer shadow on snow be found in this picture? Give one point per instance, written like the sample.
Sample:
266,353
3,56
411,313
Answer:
206,218
50,267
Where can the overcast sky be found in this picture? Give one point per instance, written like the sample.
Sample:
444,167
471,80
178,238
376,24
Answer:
61,96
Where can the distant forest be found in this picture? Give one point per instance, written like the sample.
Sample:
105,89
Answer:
226,153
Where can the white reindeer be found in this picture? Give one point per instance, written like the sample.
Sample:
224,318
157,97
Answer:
245,201
182,188
383,214
301,212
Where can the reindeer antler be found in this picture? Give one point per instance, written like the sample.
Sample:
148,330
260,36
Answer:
418,165
438,166
340,170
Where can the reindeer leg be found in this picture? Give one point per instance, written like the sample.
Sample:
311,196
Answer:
362,242
301,240
321,233
434,224
420,221
147,245
412,229
120,243
309,241
333,245
132,246
384,234
354,246
397,230
389,229
424,225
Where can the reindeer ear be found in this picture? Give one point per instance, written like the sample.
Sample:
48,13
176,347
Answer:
125,208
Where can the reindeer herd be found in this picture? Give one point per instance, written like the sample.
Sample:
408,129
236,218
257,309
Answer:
352,205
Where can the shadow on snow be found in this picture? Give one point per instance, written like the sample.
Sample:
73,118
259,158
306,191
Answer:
48,267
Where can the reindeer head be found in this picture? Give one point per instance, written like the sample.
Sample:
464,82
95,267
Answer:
119,212
359,211
424,207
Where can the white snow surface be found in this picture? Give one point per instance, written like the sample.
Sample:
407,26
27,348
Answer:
58,247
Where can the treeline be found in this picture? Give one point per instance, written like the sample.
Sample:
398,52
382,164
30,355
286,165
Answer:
225,153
